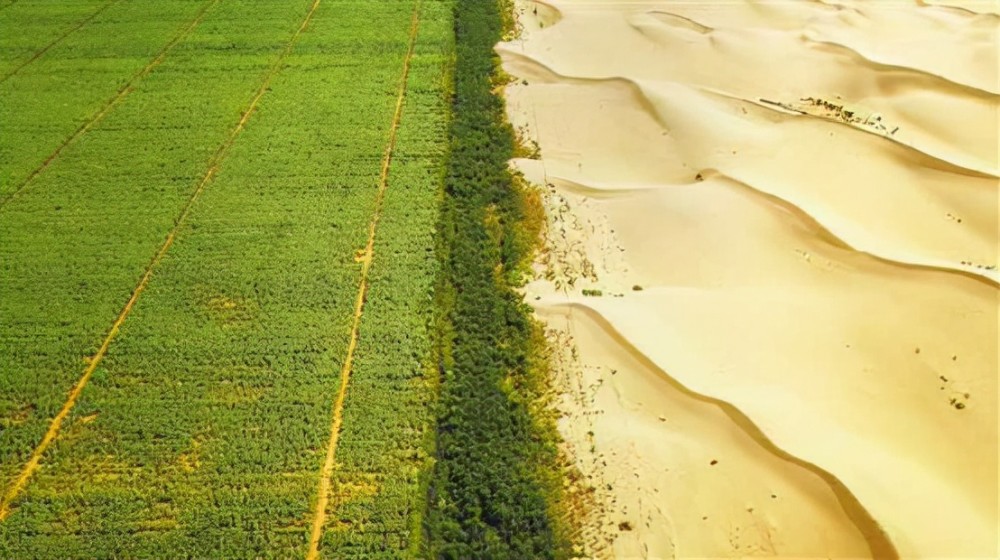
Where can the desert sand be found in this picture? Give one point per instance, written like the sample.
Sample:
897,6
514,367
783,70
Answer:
771,270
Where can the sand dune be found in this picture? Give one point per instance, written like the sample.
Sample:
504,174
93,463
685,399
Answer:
768,504
812,165
790,212
741,61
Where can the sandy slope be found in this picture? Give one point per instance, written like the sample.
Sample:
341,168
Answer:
806,194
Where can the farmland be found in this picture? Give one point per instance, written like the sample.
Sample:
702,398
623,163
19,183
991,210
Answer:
223,284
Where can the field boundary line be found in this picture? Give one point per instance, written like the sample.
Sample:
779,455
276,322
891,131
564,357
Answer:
319,516
58,39
53,432
122,93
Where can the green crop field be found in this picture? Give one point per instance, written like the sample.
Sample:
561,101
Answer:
228,277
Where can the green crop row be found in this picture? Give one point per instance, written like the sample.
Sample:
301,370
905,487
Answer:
383,455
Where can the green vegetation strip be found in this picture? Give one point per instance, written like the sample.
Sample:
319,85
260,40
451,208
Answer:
383,455
496,487
365,256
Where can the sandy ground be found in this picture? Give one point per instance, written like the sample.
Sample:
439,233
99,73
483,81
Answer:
771,270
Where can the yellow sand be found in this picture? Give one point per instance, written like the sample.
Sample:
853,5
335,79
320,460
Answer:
806,193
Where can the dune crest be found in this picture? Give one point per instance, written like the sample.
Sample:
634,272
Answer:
772,244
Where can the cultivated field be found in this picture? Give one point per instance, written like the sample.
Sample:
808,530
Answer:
217,268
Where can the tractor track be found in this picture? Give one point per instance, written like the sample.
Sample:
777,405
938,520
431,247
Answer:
366,258
122,93
34,461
